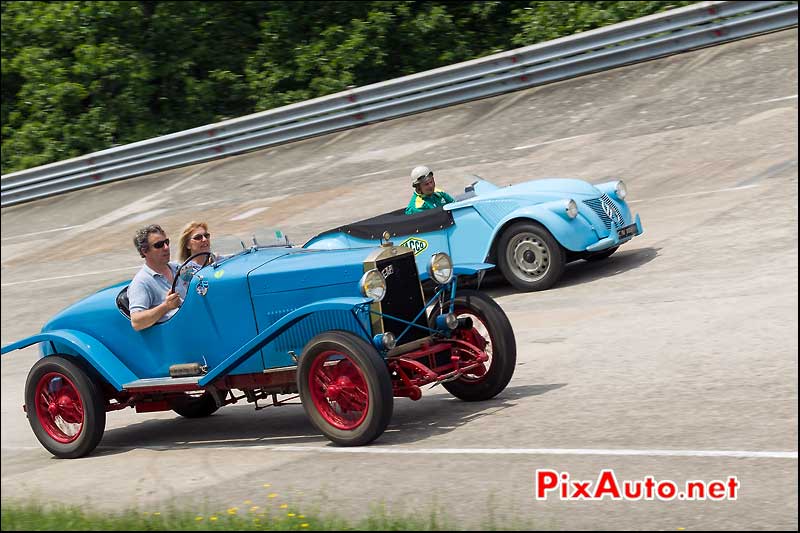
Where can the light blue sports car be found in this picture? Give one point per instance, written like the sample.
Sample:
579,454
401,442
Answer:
530,230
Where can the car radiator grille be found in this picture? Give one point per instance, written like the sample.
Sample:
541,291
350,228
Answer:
403,296
596,204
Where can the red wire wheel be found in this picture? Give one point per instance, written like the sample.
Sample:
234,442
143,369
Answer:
59,407
65,407
491,331
339,390
345,388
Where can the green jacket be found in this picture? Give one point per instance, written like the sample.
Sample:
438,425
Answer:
420,203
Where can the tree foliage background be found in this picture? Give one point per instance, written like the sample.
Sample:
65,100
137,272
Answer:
78,77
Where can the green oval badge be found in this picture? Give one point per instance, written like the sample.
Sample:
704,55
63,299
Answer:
219,273
416,244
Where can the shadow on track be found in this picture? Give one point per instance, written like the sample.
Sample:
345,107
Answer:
242,426
575,273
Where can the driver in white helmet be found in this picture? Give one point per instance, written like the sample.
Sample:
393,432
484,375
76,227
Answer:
426,195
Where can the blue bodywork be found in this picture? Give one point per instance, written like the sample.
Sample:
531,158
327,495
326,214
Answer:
480,218
261,307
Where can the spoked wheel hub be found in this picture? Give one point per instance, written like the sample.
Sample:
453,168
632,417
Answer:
339,390
59,407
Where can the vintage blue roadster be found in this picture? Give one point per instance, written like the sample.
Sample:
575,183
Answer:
347,330
530,230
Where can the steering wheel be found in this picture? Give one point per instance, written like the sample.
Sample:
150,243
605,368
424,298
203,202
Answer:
185,272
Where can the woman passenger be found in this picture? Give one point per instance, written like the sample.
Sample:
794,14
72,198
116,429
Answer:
195,238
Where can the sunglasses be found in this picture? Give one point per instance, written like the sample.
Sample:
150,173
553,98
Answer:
201,236
160,244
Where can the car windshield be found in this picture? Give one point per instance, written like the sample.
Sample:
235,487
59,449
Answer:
228,244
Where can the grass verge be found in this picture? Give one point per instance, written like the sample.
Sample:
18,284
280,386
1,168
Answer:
38,517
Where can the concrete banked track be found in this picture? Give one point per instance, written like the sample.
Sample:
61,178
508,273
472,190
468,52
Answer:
683,343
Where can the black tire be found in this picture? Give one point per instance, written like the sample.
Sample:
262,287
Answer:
372,372
529,257
196,406
501,340
59,382
605,254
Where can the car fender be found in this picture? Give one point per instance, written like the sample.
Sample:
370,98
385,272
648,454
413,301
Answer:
276,329
546,214
85,346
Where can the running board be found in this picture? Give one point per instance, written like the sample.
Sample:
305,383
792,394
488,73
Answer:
167,384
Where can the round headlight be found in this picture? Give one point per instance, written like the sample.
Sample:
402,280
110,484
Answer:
440,269
384,341
449,321
389,341
572,208
373,285
622,190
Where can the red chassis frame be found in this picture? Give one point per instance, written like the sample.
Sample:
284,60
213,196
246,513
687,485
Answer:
434,361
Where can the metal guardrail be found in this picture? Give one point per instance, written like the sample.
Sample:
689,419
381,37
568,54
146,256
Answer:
678,30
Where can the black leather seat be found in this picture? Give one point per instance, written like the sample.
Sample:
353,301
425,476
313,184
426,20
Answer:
122,302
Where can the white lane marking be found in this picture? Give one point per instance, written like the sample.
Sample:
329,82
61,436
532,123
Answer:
374,173
455,158
147,215
685,195
40,232
377,450
775,99
248,214
69,276
545,451
553,141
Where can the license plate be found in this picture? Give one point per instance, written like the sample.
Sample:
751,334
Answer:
627,231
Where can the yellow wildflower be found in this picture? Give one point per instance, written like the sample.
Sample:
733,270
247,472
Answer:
284,505
248,502
290,515
272,495
267,485
304,524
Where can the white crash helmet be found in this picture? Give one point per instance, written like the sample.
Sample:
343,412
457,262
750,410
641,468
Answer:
419,174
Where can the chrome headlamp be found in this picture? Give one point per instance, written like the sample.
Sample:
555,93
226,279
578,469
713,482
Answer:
572,208
384,341
440,268
446,321
621,190
373,285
